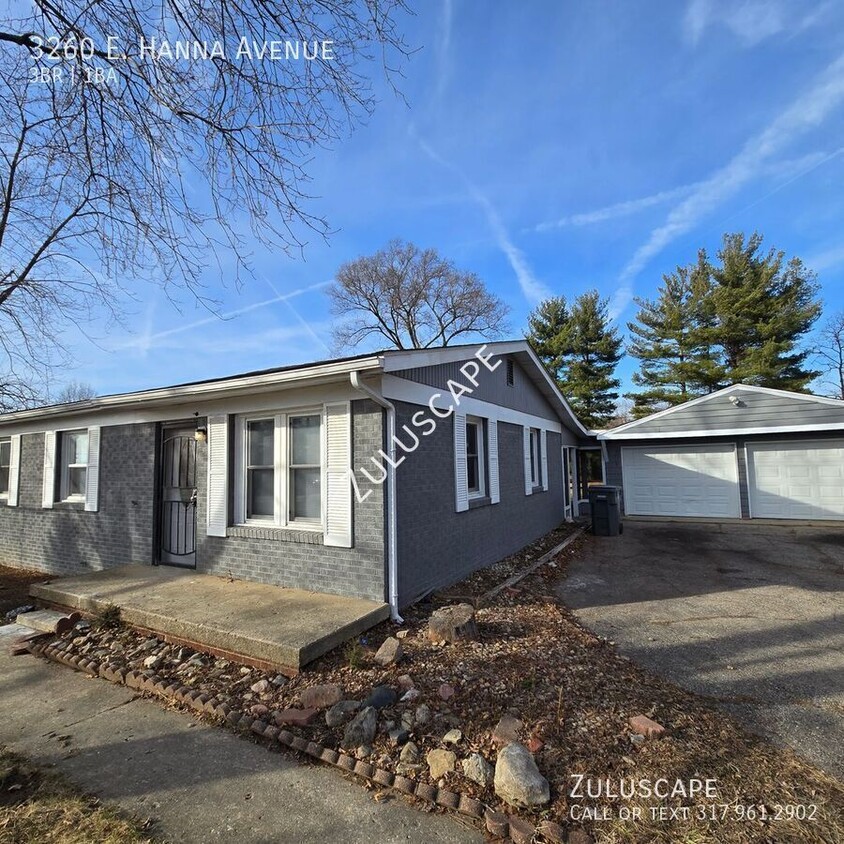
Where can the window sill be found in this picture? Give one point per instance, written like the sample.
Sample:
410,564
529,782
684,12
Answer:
276,534
479,501
69,505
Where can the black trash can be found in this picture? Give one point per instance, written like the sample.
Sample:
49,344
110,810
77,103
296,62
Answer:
605,505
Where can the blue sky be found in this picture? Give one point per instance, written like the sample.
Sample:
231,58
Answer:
550,147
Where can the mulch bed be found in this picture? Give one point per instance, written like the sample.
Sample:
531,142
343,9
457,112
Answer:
14,588
574,694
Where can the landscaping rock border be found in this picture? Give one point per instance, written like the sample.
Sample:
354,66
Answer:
499,824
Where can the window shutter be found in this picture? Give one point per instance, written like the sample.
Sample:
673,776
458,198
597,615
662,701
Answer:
14,471
461,479
218,471
526,449
49,488
338,483
92,476
543,447
492,459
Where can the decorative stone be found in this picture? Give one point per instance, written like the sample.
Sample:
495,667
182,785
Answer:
422,715
440,762
296,717
409,753
517,779
398,736
406,682
552,832
363,752
402,634
476,768
153,661
380,697
446,691
644,726
453,624
361,729
506,730
259,710
260,687
320,697
452,737
391,651
521,831
341,712
535,744
410,694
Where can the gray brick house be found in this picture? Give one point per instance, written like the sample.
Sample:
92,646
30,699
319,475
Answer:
380,476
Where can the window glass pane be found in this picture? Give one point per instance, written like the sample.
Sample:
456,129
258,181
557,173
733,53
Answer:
76,446
305,493
471,439
4,479
472,472
76,481
261,435
5,452
304,437
260,493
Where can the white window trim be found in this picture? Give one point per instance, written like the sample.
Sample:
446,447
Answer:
4,494
281,445
535,458
480,492
64,467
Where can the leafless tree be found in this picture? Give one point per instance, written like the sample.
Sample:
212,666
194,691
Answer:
831,354
120,164
75,391
413,298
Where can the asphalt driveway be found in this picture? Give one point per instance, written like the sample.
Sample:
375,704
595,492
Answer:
751,615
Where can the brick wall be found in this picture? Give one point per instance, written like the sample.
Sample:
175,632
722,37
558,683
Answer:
305,564
438,546
66,539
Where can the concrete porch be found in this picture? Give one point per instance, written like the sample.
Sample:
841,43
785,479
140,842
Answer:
267,626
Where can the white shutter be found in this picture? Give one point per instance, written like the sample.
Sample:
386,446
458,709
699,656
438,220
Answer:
218,474
14,470
543,446
461,479
492,460
526,449
48,494
92,476
338,482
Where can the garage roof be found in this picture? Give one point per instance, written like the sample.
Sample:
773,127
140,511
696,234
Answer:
739,409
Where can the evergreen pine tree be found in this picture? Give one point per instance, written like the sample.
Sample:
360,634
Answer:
590,350
671,337
545,325
762,307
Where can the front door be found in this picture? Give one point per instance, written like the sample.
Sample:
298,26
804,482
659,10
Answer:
177,516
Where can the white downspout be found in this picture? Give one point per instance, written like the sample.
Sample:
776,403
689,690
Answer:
392,535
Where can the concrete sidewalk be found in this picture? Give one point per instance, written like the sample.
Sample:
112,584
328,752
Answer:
200,783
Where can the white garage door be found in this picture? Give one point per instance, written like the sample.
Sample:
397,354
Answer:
800,480
700,480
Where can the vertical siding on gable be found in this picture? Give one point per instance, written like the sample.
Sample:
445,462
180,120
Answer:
492,386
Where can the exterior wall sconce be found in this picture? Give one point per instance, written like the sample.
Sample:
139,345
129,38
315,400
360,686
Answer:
201,432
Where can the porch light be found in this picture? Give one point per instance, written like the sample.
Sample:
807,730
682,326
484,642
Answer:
201,432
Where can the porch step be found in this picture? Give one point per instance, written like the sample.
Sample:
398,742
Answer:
49,621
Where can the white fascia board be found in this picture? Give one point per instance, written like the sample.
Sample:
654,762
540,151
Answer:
725,432
282,398
411,392
205,392
788,394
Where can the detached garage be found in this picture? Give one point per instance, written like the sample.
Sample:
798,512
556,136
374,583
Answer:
742,452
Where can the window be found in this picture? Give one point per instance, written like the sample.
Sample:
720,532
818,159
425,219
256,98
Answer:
280,460
73,446
5,464
475,457
511,373
260,469
535,458
305,469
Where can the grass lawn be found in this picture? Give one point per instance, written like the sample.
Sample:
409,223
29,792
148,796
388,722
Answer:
38,806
